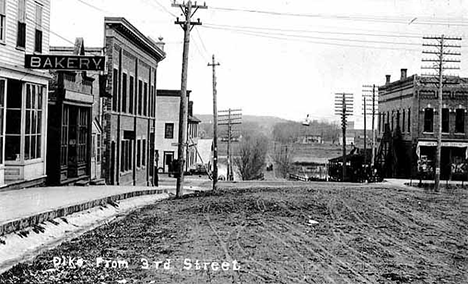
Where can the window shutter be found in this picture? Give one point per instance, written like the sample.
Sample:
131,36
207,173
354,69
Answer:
2,7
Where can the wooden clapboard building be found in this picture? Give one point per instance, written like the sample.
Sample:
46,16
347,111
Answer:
24,29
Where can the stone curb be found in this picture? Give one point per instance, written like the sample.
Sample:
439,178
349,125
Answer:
24,222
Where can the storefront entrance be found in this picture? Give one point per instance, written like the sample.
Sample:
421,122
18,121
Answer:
74,140
453,163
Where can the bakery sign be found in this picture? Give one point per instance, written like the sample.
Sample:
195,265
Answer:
65,62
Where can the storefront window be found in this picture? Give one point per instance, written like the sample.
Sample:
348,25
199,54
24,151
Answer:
30,127
2,109
83,118
64,137
13,121
33,127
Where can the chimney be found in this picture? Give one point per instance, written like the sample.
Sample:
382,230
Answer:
387,79
160,44
403,73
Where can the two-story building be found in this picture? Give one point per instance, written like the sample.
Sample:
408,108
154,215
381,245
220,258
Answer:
74,143
24,29
129,116
167,130
407,128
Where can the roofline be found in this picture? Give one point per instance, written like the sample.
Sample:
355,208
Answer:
71,48
148,43
414,80
170,93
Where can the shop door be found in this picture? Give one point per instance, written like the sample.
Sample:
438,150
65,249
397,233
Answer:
72,141
168,158
78,141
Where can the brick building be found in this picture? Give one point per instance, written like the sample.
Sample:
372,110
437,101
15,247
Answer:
167,130
24,29
129,116
407,126
75,135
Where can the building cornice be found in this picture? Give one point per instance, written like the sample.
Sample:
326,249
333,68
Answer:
127,29
171,93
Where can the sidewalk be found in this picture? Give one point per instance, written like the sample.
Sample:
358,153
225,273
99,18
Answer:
407,182
31,206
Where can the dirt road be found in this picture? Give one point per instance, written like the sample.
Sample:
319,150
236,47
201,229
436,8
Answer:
266,233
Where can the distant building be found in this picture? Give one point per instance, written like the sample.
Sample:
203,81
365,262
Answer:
24,29
74,143
311,139
192,137
350,139
167,130
129,115
408,111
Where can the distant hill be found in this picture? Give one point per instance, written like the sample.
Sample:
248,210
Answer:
207,118
264,124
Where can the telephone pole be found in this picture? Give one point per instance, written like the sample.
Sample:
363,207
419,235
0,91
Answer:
439,63
365,131
344,108
366,96
188,9
232,117
215,125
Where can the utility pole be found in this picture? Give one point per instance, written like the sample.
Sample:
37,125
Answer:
365,130
232,117
439,62
188,10
373,126
229,161
215,125
367,97
344,108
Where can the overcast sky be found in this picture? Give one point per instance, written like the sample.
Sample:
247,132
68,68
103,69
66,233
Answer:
280,58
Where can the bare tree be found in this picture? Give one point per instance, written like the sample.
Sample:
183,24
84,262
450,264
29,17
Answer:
250,160
283,158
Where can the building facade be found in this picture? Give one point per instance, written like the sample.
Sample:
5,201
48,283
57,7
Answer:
129,116
24,29
75,135
193,156
407,127
167,130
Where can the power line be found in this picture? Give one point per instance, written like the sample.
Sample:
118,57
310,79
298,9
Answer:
317,31
201,40
320,38
289,38
50,31
94,7
394,20
161,7
203,56
155,4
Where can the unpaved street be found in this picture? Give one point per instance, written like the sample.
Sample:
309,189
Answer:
272,233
